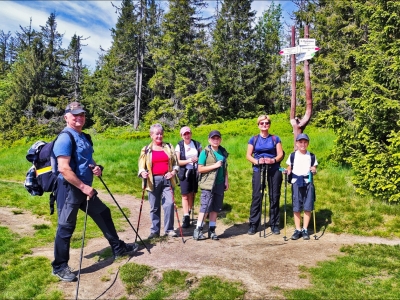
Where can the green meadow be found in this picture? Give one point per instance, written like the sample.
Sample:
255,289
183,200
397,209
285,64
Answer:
364,272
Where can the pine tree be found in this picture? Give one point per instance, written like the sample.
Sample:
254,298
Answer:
269,85
179,83
233,60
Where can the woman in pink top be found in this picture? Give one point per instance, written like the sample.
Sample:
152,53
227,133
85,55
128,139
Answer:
158,165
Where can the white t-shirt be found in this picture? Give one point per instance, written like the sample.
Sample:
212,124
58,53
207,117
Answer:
190,151
301,164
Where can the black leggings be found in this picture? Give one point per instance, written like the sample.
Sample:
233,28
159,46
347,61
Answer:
274,184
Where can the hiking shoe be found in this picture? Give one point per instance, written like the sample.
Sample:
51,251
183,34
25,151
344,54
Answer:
171,233
296,235
212,235
65,275
186,222
129,248
252,230
153,235
275,230
304,232
198,234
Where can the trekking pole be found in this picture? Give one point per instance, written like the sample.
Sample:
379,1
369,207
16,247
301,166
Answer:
263,196
83,243
310,178
176,211
141,205
284,215
102,181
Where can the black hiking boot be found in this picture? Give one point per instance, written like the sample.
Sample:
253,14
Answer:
129,248
296,235
275,229
65,275
252,229
305,234
211,234
186,222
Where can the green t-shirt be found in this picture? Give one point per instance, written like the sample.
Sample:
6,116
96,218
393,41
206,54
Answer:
218,154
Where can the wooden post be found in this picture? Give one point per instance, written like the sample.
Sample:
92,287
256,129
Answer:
300,125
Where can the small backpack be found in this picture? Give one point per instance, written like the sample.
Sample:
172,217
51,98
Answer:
290,176
42,175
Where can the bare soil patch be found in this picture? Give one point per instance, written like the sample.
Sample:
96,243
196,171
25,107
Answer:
261,264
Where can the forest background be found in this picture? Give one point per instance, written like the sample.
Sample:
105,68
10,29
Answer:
179,68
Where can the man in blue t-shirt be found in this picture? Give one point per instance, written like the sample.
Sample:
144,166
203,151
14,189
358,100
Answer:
74,189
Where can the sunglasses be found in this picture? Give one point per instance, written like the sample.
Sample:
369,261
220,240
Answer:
264,123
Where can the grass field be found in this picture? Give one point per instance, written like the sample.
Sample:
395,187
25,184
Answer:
338,208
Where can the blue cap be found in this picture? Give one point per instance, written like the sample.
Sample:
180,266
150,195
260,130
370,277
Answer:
302,136
214,133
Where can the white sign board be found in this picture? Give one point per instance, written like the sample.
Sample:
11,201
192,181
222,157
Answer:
306,42
290,51
308,49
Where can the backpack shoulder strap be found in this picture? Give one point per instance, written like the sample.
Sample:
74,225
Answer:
312,159
88,137
255,138
274,139
72,140
181,150
224,152
292,159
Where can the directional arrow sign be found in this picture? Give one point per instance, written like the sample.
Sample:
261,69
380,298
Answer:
298,49
308,49
290,51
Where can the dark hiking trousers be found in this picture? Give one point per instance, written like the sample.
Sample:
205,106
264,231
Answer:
273,190
69,200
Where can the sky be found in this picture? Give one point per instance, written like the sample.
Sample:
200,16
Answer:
88,19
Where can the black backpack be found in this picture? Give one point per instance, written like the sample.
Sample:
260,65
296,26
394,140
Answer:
42,175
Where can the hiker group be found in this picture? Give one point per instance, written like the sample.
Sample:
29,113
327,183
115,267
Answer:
65,167
207,169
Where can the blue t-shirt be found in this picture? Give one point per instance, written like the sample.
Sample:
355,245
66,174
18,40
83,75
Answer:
265,147
82,157
202,161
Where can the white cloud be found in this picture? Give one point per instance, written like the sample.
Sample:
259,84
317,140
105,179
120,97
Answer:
92,19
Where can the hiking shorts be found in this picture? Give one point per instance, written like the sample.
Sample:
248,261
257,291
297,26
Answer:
190,184
303,197
212,200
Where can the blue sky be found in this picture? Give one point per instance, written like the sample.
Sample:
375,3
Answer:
85,18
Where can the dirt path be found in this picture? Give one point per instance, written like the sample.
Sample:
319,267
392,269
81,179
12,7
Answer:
262,264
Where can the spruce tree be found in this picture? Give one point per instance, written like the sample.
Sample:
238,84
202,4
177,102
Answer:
233,61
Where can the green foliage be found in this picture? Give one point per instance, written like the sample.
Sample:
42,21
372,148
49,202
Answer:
365,272
356,88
